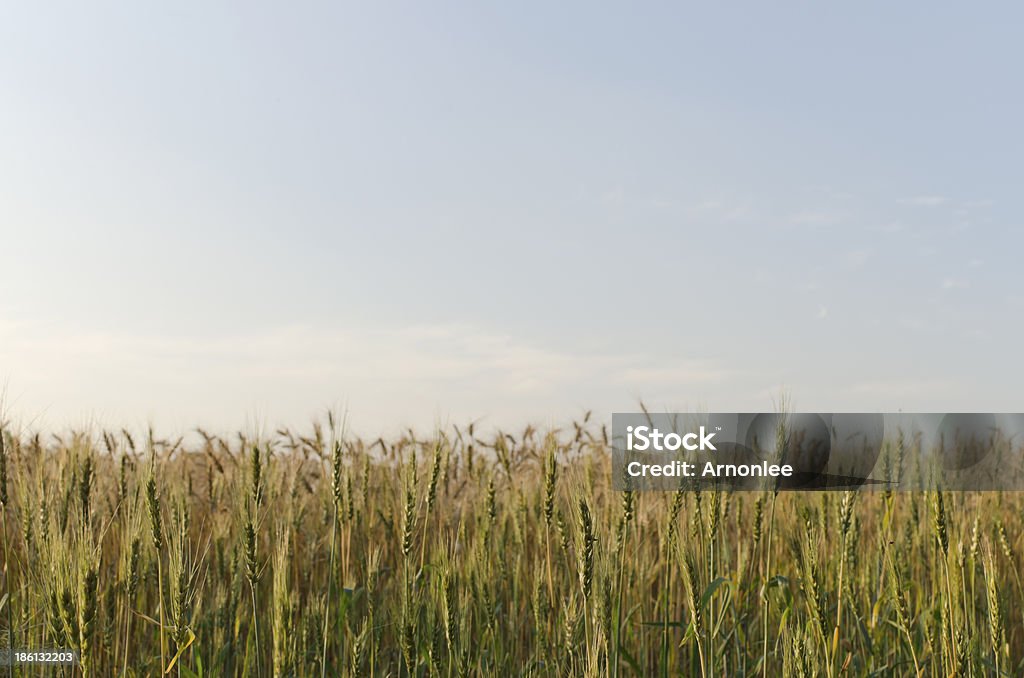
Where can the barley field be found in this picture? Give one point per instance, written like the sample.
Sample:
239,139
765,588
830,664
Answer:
464,553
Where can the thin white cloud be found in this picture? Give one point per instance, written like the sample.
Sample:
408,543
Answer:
891,227
857,258
831,192
680,373
390,376
615,196
955,284
724,211
816,218
904,389
925,200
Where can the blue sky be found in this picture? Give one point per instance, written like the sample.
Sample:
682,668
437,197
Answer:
217,213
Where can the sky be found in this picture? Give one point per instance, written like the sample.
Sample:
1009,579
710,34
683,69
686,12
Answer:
239,214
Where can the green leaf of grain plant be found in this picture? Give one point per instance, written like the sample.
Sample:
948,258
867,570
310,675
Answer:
705,597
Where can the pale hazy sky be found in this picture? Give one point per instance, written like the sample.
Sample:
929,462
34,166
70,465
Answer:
212,213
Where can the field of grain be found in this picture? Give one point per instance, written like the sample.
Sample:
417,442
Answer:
463,553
